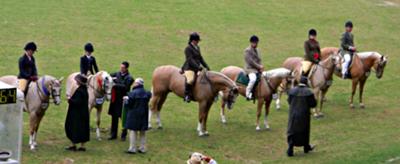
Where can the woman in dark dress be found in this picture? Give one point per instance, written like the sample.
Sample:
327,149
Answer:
77,121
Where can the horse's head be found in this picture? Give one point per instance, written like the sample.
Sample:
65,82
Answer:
379,66
336,60
230,96
107,85
55,89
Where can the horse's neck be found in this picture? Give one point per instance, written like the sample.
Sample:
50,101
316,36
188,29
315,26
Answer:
92,86
329,67
368,62
275,82
218,82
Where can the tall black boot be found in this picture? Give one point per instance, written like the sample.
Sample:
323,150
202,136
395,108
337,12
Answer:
188,93
114,128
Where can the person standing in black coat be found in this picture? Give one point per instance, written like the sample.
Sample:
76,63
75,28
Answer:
122,84
88,61
27,67
301,100
77,122
137,106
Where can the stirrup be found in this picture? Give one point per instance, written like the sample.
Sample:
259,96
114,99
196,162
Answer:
187,99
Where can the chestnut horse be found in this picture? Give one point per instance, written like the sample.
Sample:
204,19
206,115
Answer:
362,65
267,86
168,79
320,77
99,88
37,100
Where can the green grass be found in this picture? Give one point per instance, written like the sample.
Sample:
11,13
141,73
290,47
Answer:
153,33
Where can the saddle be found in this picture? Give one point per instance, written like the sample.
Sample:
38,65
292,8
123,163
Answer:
244,79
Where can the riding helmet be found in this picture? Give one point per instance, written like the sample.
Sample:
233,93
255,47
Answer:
30,46
125,63
89,47
254,39
194,37
312,32
349,24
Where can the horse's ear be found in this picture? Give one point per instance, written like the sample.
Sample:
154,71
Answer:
382,57
61,79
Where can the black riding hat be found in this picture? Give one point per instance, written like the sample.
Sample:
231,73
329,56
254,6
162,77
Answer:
254,39
312,32
89,47
349,24
30,46
194,36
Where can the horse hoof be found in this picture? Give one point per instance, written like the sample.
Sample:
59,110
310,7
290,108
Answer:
98,139
160,128
150,127
33,148
258,128
267,128
352,106
362,106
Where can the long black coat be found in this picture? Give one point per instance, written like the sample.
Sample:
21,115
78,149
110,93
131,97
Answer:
301,100
137,109
193,59
121,87
77,122
88,65
27,68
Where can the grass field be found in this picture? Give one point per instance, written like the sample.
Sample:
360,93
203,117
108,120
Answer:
153,33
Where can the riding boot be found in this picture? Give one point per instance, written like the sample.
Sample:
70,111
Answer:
188,93
290,152
305,73
114,127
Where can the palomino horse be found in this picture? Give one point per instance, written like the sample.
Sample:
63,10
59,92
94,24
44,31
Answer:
99,88
168,79
267,86
37,100
360,69
320,77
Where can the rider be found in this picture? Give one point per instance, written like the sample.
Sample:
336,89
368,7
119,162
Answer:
347,48
88,62
253,64
27,67
312,52
192,65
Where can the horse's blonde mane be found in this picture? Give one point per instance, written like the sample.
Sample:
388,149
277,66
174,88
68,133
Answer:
277,72
364,55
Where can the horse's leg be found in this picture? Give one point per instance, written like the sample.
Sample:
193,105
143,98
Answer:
98,117
223,119
267,106
317,93
260,103
353,91
321,101
202,117
207,110
278,100
159,106
153,107
32,122
362,82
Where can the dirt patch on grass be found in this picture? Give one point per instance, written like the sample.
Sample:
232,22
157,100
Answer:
390,3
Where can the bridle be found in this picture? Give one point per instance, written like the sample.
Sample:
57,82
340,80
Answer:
102,89
44,94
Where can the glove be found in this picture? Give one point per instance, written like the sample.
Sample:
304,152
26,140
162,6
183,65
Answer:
181,71
33,78
208,68
207,159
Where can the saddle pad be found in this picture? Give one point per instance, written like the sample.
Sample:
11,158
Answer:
243,79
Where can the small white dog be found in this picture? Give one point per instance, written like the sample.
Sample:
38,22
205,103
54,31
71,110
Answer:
198,158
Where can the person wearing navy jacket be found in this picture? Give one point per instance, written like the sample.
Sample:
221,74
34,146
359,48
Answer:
27,67
137,106
88,63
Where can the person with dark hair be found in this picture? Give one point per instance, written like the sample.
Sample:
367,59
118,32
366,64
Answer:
122,84
312,52
77,122
137,119
88,61
192,65
301,100
253,65
27,67
347,48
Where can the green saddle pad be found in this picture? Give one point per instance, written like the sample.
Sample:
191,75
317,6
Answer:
244,79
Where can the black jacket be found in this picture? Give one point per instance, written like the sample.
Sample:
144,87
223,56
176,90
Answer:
137,109
311,47
27,68
193,59
301,100
121,87
88,65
